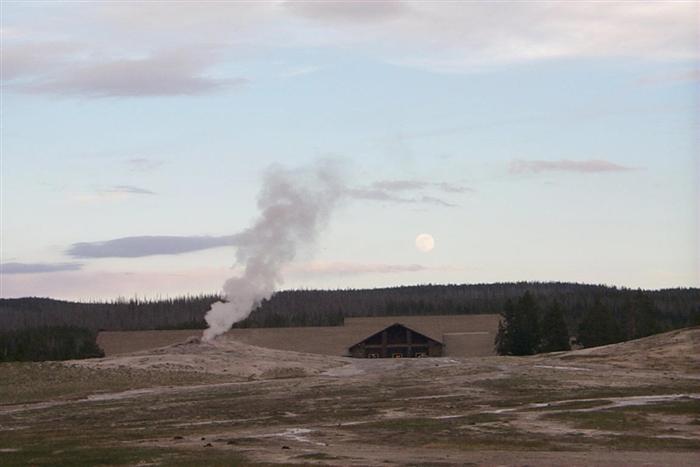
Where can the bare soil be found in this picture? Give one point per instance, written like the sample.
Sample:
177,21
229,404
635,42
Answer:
229,403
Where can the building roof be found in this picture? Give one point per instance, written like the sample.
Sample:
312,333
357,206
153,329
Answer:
391,326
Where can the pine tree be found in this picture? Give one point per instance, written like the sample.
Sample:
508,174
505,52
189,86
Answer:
694,317
518,330
555,335
504,336
640,317
598,327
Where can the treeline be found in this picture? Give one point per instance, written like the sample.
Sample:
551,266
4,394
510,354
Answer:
48,343
117,315
672,308
526,327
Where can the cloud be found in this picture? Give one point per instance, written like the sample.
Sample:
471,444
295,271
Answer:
116,49
399,185
465,37
166,73
473,36
452,188
395,191
28,58
348,12
111,193
143,164
37,268
134,190
408,185
436,201
520,166
372,194
135,247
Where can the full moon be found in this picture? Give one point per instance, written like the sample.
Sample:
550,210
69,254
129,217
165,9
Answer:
425,242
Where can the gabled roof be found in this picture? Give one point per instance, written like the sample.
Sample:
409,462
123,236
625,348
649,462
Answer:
391,326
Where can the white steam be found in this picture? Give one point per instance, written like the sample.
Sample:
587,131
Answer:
295,205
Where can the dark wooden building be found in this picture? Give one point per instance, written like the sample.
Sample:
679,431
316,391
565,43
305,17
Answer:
397,341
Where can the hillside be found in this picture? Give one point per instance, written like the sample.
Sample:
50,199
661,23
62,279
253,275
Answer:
674,350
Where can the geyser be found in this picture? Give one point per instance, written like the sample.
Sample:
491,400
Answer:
295,204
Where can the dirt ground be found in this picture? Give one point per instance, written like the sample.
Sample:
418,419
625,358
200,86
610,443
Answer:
229,403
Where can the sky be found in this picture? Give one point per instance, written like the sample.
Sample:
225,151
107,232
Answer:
533,141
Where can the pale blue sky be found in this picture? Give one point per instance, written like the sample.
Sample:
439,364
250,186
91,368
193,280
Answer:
534,141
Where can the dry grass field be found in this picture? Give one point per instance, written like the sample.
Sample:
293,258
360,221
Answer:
464,335
229,403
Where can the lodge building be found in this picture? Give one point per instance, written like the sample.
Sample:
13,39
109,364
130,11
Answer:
396,341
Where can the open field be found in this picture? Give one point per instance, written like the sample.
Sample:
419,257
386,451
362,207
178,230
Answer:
228,403
463,335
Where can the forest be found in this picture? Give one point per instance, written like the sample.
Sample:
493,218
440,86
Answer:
670,308
48,343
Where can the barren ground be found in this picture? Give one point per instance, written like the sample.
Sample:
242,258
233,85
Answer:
228,403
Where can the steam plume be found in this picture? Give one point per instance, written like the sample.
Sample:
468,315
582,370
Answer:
295,205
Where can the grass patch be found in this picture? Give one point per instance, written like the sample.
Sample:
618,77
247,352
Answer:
575,405
72,453
513,385
408,424
607,420
677,407
479,418
24,382
650,443
318,456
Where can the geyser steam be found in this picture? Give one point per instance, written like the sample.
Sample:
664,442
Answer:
295,205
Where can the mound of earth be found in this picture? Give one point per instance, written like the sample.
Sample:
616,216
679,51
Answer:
221,356
674,350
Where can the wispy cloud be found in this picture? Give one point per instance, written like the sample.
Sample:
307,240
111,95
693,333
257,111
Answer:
399,191
135,247
348,12
130,189
31,58
408,185
520,166
436,201
111,193
143,164
164,73
373,194
472,36
37,268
